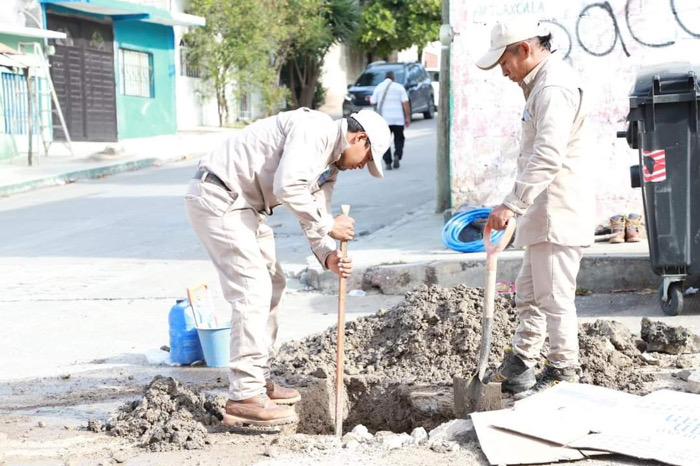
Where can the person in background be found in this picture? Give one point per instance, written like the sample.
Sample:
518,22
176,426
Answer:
391,101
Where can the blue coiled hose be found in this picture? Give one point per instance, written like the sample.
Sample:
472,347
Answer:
455,225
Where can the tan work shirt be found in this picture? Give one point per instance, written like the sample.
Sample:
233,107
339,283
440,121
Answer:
554,189
286,159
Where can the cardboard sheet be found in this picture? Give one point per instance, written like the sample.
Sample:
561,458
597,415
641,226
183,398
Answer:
664,426
568,420
504,447
566,412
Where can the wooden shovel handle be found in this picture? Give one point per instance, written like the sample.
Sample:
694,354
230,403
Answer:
339,361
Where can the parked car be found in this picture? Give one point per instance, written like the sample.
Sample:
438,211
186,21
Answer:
411,75
435,82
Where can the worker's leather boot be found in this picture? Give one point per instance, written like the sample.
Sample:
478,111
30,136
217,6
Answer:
617,229
281,395
258,411
513,375
634,229
549,378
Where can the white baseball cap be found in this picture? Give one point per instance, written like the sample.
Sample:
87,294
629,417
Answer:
379,137
509,32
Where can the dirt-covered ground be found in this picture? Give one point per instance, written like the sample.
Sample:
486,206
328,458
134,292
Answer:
399,367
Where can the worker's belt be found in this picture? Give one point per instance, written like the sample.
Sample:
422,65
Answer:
209,177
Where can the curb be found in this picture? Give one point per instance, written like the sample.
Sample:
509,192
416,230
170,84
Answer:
598,273
86,174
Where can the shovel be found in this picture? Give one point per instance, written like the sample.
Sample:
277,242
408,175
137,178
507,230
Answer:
340,357
475,395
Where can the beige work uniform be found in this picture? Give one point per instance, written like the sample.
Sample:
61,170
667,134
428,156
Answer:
554,193
287,159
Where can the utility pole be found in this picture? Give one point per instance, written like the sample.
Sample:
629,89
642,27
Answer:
443,195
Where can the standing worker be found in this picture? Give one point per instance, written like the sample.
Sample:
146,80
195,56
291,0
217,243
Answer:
554,196
291,159
391,100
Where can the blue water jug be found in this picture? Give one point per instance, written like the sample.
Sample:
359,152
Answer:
184,341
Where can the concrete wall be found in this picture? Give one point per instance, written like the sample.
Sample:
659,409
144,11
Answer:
603,43
341,66
139,116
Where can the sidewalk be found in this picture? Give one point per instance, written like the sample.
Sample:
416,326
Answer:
98,159
409,253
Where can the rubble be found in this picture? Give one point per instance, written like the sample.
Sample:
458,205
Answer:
610,358
457,430
663,338
169,417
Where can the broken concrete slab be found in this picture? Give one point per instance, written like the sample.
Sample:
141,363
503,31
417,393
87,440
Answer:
419,435
362,432
457,430
694,381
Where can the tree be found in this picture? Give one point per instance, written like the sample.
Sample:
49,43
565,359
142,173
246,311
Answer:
317,25
235,46
388,25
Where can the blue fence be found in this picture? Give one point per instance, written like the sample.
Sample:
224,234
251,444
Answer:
15,108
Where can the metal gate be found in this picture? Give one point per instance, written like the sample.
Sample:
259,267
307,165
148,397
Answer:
82,70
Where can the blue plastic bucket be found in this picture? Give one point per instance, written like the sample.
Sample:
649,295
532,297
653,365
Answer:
215,344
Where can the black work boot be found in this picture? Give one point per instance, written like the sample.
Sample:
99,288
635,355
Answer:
549,378
513,374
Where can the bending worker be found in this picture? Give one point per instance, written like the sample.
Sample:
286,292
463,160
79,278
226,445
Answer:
554,196
292,159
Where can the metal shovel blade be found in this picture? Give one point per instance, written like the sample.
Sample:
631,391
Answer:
473,395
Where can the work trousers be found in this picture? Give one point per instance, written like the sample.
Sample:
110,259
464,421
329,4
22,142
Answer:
242,248
545,293
399,139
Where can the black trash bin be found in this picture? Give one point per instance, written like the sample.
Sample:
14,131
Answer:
663,125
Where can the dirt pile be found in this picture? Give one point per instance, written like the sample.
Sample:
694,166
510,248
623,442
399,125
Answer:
434,334
430,337
610,357
169,417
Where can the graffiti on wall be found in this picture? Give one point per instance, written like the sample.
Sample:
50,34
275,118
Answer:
597,29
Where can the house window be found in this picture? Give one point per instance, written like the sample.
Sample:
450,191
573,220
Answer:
244,106
136,70
187,66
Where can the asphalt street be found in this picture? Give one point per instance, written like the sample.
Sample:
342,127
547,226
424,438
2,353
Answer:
91,269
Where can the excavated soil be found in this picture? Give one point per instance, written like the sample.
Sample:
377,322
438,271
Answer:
169,416
430,337
434,335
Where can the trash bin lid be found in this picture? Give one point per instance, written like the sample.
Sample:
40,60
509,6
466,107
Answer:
673,78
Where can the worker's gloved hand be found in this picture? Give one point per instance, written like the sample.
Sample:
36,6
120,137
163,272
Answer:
343,228
498,218
338,265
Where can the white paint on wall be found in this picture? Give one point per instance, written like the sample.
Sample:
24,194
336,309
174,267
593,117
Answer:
487,107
